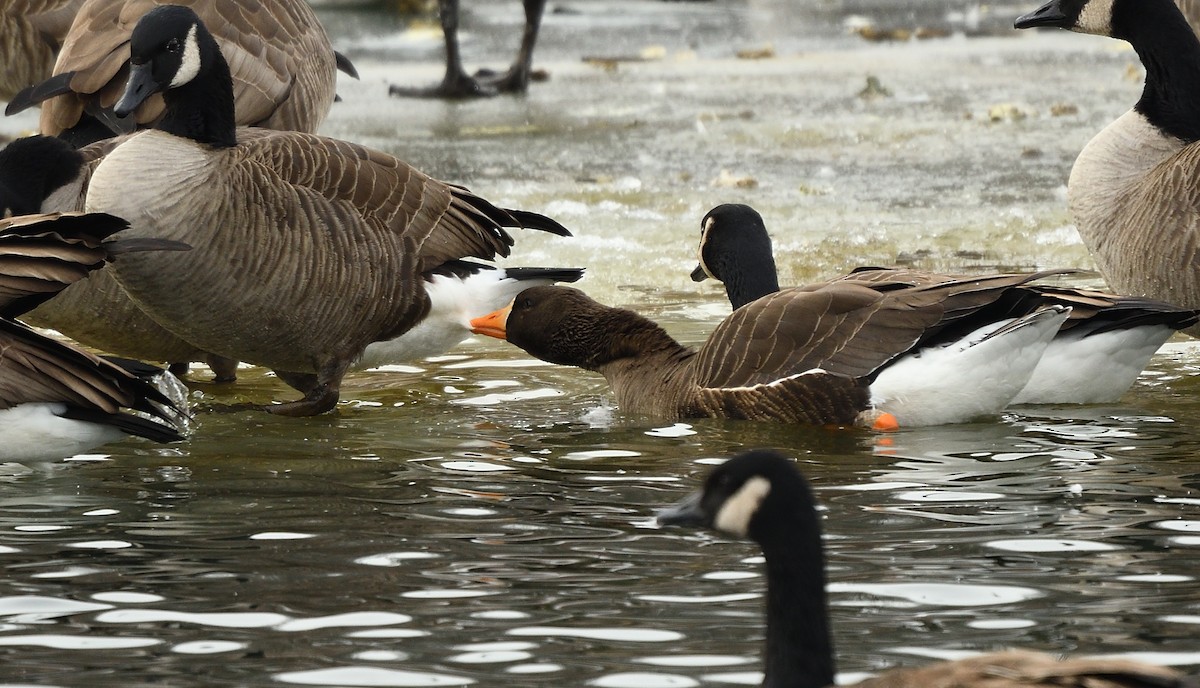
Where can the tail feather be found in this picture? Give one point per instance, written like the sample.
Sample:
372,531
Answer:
553,274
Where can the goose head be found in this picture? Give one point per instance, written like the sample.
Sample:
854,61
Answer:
1123,19
735,249
563,325
173,53
748,496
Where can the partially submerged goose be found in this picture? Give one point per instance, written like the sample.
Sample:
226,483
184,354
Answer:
1095,357
56,399
457,83
305,249
282,63
1132,189
839,353
31,32
760,495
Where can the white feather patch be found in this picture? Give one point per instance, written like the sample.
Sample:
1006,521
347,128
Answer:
735,514
189,67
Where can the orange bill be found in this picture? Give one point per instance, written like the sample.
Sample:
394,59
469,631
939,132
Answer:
493,323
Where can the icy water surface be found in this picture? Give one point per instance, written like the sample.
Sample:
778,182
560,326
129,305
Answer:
484,519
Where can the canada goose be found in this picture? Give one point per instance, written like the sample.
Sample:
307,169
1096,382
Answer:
305,249
840,353
1097,355
55,399
282,63
760,495
1131,190
31,32
457,83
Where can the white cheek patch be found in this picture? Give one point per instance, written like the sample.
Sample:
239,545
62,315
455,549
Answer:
189,67
735,514
703,239
1096,18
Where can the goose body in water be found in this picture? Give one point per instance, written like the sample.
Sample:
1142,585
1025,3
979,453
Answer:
760,495
57,400
1096,356
282,63
840,353
306,249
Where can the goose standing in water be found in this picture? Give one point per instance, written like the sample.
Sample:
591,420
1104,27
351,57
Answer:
457,83
306,250
282,63
57,400
840,353
1096,356
1132,191
760,495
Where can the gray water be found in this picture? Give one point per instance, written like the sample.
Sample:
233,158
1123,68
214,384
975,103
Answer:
482,518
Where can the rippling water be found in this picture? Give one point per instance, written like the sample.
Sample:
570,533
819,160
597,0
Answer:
484,519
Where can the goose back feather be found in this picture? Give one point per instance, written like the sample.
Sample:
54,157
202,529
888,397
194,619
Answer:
761,496
31,33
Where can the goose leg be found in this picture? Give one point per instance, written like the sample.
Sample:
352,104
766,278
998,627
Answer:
321,390
516,79
224,369
456,83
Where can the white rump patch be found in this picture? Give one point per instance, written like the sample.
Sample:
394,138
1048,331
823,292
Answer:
1094,369
735,514
190,66
36,432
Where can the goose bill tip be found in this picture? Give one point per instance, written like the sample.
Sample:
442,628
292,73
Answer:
492,324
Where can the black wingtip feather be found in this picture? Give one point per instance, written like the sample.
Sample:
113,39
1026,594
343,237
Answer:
32,95
566,275
540,222
128,424
344,65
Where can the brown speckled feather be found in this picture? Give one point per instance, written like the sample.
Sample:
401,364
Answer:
844,328
280,57
31,32
1024,669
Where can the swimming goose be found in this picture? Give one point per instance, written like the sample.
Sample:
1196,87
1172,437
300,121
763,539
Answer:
839,353
760,495
31,32
1097,355
1132,188
55,399
306,249
282,63
457,83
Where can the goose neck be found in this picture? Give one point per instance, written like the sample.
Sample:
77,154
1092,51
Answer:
799,649
1170,52
203,109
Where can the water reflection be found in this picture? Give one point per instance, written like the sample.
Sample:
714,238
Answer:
481,518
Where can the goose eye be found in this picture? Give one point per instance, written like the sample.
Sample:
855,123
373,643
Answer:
525,302
174,46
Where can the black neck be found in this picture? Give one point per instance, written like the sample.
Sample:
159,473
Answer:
1170,52
202,109
750,282
799,650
